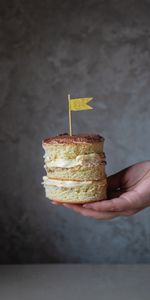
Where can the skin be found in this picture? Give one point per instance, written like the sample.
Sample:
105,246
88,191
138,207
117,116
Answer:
128,193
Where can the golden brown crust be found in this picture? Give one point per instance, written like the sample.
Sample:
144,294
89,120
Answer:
74,139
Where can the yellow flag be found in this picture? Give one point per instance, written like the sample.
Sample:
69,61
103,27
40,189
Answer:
79,104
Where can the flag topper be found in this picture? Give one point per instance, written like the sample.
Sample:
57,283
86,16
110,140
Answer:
77,104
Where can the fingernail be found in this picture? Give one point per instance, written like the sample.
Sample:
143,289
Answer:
55,203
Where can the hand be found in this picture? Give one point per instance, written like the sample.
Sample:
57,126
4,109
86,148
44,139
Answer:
128,193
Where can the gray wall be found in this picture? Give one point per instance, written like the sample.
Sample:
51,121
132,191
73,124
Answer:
87,48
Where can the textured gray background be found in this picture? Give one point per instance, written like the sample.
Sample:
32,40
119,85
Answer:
88,48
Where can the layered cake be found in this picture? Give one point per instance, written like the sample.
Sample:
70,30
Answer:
75,168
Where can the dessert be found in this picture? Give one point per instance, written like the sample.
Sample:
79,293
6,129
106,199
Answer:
75,167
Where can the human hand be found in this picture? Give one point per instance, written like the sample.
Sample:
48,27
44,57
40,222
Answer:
128,193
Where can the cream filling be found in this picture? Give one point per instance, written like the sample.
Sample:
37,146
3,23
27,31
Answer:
64,183
86,160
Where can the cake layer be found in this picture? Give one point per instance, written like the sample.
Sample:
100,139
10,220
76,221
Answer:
69,147
83,167
77,173
75,191
88,160
71,151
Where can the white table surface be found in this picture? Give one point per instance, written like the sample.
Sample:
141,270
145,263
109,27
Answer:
74,282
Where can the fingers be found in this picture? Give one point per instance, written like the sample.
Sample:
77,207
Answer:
126,202
99,215
91,213
56,203
129,213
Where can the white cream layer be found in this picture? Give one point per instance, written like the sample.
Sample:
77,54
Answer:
81,160
64,183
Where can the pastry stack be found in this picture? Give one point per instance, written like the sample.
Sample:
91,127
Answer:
75,168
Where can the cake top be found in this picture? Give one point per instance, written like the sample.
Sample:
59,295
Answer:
65,138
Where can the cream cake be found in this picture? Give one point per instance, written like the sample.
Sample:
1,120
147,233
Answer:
75,168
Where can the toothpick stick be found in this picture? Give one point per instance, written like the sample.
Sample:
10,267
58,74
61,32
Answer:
70,116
